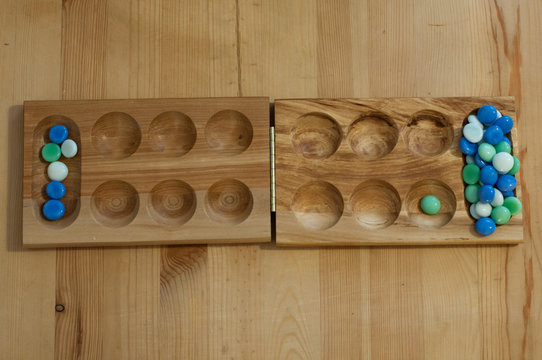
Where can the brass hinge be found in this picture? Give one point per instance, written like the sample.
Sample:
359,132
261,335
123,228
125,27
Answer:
272,152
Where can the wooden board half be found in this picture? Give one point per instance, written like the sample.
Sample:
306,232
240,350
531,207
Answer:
155,171
353,171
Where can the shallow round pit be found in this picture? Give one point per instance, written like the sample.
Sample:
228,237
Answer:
376,204
437,188
428,133
116,135
372,136
228,132
228,201
172,133
316,136
114,203
172,203
317,205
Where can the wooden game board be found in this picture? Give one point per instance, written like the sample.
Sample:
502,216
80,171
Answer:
353,171
156,171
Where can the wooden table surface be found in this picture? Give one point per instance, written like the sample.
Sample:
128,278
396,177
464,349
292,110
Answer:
260,302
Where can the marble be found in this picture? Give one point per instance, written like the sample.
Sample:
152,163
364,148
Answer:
57,171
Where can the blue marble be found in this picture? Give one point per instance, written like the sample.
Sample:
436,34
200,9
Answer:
506,194
55,190
488,175
467,147
53,210
479,162
486,194
487,114
485,226
505,123
493,135
506,183
58,134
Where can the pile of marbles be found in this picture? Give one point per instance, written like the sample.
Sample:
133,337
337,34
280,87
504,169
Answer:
490,169
57,171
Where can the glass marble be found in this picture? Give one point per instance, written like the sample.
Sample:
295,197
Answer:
53,210
471,174
493,135
472,211
503,162
513,204
486,151
498,200
430,204
485,226
50,152
503,146
58,134
55,190
471,193
473,133
487,114
506,183
516,166
505,123
69,148
486,194
483,210
467,147
57,171
500,215
488,175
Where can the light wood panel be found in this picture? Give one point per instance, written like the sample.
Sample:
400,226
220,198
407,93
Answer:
168,48
525,265
29,68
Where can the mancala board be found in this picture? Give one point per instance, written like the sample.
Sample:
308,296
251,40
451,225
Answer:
155,171
353,171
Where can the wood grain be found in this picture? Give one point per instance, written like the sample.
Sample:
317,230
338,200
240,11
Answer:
325,150
27,299
453,302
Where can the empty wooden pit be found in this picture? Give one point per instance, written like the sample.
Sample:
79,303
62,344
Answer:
428,133
172,133
372,136
114,203
316,136
375,204
172,203
317,205
228,132
116,135
228,201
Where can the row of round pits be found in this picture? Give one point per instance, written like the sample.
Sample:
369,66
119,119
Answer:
371,136
375,204
117,135
115,203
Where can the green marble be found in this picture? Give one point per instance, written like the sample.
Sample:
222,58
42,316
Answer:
513,204
471,174
486,151
516,166
51,152
471,193
501,215
503,146
430,204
